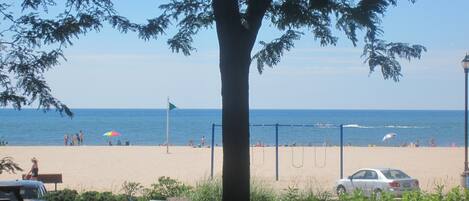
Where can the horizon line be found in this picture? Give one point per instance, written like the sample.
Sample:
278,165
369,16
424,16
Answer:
189,108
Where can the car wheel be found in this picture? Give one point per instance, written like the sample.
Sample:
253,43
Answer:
378,194
341,190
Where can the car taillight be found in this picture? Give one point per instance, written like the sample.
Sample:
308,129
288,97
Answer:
394,184
416,183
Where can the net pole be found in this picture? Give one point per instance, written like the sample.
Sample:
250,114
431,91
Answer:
212,151
167,126
341,151
276,152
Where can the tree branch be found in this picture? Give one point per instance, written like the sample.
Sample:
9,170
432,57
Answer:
226,11
272,52
255,13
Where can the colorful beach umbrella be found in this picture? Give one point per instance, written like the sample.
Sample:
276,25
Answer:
112,134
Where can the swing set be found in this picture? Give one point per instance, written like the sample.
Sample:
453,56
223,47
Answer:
315,153
299,164
294,163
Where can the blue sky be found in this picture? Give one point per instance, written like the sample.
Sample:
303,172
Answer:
112,70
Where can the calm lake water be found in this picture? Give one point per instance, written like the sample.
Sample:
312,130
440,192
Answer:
148,126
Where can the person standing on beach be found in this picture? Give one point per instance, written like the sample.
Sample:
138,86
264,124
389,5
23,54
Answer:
202,141
81,137
432,142
34,172
65,139
77,138
74,139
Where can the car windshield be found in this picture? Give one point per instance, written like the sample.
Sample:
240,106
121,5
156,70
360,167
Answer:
394,174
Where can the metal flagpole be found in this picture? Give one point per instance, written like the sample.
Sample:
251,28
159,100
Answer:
167,126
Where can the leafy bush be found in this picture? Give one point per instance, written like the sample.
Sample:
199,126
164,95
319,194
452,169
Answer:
262,193
318,196
455,194
212,191
206,191
165,188
88,196
63,195
291,194
131,189
358,195
417,196
72,195
295,194
100,196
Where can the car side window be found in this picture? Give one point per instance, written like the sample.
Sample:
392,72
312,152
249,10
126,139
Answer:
370,174
359,175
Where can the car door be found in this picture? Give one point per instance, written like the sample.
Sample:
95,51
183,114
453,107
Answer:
357,180
370,182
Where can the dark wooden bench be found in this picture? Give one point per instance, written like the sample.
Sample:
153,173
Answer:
49,179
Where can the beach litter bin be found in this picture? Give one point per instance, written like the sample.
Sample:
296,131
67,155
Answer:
465,179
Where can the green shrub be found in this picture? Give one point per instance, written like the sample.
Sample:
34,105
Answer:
100,196
212,191
88,196
455,194
262,193
318,196
291,194
354,196
131,189
165,188
417,196
206,191
295,194
62,195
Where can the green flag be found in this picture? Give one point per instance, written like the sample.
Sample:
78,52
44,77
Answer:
172,106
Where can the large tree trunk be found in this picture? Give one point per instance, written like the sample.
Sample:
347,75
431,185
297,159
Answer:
234,68
236,41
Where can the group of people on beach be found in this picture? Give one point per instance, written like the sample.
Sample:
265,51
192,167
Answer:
119,143
3,141
431,143
202,142
74,139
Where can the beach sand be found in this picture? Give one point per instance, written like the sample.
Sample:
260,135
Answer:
106,168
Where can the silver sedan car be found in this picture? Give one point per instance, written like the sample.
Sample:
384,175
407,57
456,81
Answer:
378,180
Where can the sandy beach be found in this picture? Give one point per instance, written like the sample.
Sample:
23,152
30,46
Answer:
106,168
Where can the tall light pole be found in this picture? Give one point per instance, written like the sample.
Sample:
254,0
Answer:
465,65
